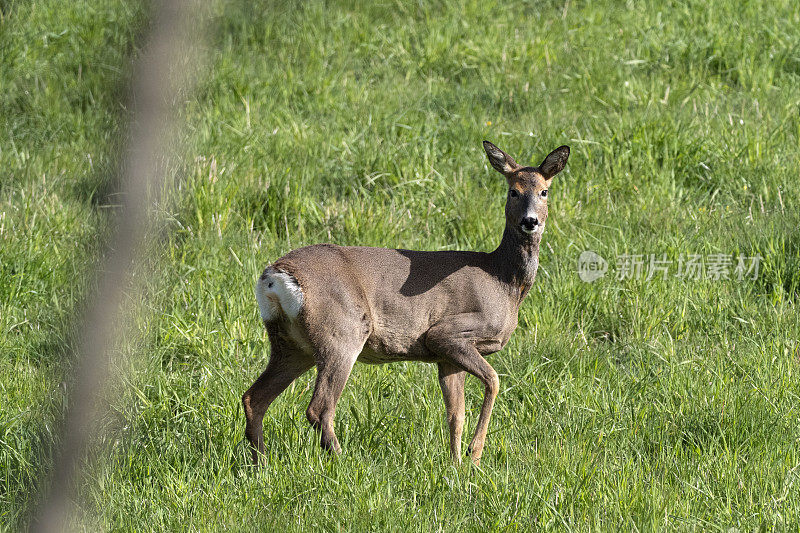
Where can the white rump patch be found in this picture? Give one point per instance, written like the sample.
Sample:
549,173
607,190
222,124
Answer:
278,293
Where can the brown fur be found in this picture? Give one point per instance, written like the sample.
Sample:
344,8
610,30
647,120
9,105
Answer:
377,305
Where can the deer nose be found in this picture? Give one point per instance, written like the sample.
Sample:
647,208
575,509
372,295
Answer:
529,224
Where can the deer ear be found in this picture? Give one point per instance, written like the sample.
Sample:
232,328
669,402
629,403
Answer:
554,162
500,161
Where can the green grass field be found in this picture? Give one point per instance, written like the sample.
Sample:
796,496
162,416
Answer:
626,404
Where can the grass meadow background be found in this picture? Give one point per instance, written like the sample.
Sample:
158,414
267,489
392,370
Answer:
633,405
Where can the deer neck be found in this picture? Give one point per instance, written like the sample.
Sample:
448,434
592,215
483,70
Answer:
517,259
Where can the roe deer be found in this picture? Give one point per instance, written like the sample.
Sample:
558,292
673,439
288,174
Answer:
329,306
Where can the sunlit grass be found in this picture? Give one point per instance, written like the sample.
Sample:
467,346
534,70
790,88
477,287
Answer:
633,404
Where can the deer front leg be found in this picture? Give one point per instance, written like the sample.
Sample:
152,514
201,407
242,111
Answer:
454,341
451,380
491,381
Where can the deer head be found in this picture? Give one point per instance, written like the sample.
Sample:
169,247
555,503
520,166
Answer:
526,204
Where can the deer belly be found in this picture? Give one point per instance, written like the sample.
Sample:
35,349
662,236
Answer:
380,350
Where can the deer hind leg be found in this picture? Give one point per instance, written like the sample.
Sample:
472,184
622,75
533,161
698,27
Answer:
285,365
333,370
451,380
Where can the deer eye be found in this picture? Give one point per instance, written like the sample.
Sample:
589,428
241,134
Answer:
513,193
544,193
